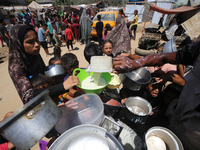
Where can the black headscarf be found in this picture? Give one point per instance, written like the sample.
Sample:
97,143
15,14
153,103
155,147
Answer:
21,64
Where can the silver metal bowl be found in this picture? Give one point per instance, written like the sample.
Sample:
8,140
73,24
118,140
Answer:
170,46
54,70
171,140
136,79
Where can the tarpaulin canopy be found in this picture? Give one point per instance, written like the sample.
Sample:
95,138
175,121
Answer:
33,5
182,9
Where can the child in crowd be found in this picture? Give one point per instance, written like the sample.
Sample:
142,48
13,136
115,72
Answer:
70,62
54,61
1,40
75,28
57,51
92,50
69,37
56,36
107,30
99,29
107,47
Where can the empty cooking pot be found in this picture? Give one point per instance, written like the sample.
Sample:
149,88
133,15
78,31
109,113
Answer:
31,122
54,70
137,109
157,136
136,79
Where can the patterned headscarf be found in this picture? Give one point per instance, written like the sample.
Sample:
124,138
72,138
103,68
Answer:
21,64
119,36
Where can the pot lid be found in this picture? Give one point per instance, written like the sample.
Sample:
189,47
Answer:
86,137
24,109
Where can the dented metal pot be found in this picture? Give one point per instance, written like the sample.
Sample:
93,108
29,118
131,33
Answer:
31,122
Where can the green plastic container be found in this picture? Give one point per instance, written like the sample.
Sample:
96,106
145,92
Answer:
82,75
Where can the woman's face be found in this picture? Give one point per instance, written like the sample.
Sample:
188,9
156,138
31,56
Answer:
31,43
107,49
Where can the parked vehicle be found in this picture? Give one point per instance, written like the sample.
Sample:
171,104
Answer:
106,17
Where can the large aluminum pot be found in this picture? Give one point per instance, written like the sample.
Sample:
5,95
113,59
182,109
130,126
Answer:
137,109
86,137
136,79
31,122
161,134
54,70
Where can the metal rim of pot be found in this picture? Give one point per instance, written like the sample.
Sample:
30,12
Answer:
135,117
54,70
174,139
128,79
81,131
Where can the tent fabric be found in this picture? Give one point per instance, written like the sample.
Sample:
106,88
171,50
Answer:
182,9
129,11
34,5
157,15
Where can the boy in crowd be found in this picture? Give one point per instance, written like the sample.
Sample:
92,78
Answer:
69,36
99,29
70,62
42,33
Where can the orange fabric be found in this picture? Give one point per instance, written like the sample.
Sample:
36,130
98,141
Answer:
173,11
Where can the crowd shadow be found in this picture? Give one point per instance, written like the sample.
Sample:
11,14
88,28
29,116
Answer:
76,48
1,61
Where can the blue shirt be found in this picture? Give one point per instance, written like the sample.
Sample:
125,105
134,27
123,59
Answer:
41,33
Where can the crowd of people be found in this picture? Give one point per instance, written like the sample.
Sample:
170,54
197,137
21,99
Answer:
177,102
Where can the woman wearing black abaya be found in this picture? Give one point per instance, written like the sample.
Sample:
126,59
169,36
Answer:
25,61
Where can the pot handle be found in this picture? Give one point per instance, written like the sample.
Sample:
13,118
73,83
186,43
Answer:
120,127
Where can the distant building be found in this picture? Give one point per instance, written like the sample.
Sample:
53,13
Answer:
45,1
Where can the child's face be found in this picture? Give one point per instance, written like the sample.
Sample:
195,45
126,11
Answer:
107,49
153,89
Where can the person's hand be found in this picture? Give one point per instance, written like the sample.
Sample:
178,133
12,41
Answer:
125,54
122,64
70,82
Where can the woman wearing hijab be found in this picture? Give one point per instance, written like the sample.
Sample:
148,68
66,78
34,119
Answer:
25,61
85,23
119,36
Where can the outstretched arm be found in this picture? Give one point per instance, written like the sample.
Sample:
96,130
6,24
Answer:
124,64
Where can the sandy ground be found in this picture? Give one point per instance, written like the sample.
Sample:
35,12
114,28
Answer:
9,98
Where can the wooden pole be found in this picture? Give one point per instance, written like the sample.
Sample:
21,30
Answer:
56,5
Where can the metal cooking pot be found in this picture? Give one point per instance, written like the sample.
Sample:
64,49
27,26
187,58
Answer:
137,109
112,107
170,46
86,137
171,140
54,70
31,122
136,79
